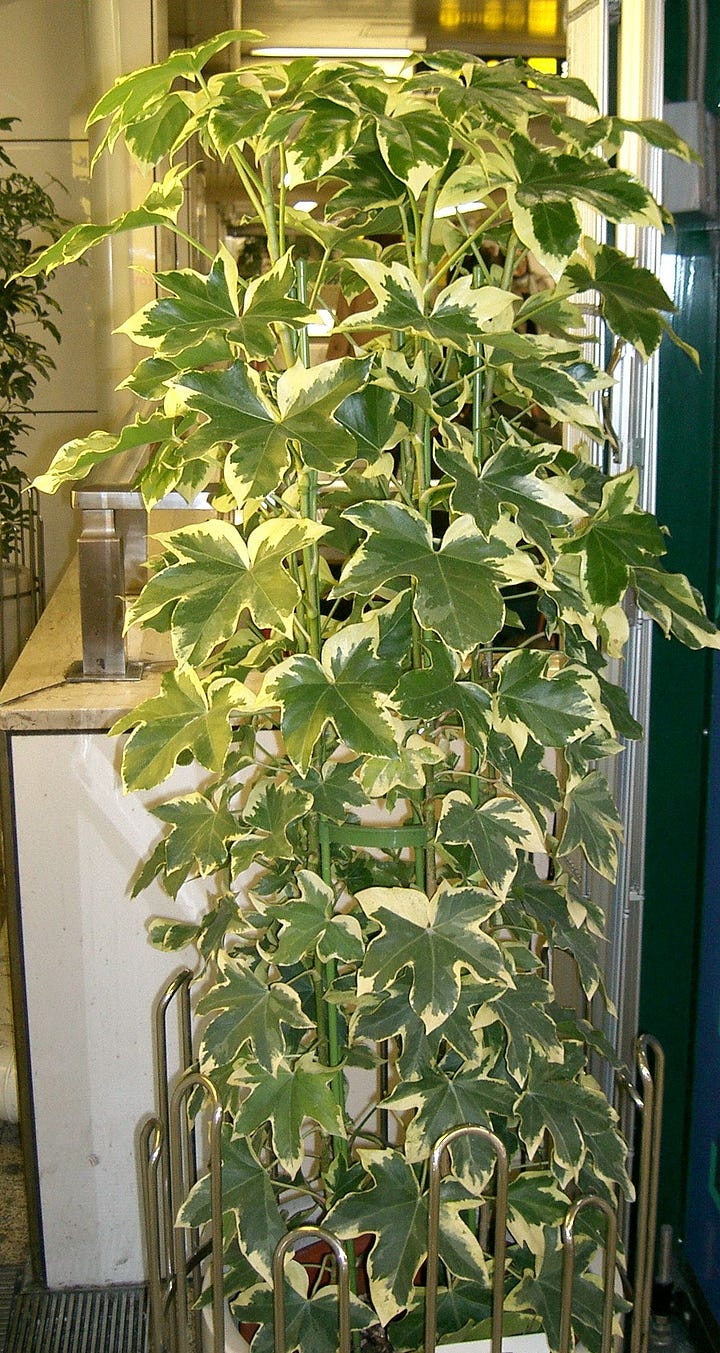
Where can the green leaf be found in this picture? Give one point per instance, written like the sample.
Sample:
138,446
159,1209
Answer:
538,1292
311,1323
342,690
329,130
310,925
495,832
437,938
553,707
240,415
246,1009
76,458
269,811
161,207
509,479
218,575
457,593
335,792
459,315
284,1097
443,1102
249,1201
677,607
436,691
183,717
632,297
395,1212
198,840
170,935
564,923
593,825
522,1010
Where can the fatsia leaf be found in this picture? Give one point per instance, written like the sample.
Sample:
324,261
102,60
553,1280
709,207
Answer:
677,607
593,824
495,831
239,414
395,1211
245,1009
437,938
509,479
616,538
551,912
217,574
283,1096
633,299
309,924
329,130
76,458
183,717
311,1323
198,840
434,692
530,1030
269,811
457,586
344,689
459,315
532,700
161,207
442,1102
249,1201
335,792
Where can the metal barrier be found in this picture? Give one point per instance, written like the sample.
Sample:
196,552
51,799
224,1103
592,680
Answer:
169,1147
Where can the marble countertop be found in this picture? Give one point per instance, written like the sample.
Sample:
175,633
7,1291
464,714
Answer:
37,695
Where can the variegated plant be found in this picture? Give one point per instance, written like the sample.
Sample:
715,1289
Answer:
403,617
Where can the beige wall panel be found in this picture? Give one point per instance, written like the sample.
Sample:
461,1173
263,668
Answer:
42,60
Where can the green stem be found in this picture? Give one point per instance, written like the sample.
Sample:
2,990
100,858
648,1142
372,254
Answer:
451,259
194,244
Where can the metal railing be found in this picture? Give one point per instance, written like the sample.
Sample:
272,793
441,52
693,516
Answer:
169,1165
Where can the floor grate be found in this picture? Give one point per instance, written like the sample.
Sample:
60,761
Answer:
102,1320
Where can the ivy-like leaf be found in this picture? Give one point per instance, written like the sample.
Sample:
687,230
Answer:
593,824
395,1212
198,840
217,575
677,607
533,701
283,1096
617,537
522,1010
443,1102
311,1323
458,586
342,690
184,716
433,692
271,808
246,1009
310,924
495,831
509,479
438,938
633,299
459,315
76,458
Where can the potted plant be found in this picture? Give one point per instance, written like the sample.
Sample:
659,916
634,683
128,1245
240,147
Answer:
28,220
391,664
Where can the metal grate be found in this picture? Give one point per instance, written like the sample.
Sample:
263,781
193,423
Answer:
100,1320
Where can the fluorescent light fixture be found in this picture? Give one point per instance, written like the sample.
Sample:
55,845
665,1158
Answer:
460,209
369,52
304,204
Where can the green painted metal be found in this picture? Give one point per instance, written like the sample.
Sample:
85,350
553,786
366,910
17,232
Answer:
681,687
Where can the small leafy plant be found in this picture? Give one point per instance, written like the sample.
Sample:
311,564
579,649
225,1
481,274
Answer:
390,652
27,220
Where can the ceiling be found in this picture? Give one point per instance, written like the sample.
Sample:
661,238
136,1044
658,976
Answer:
486,27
